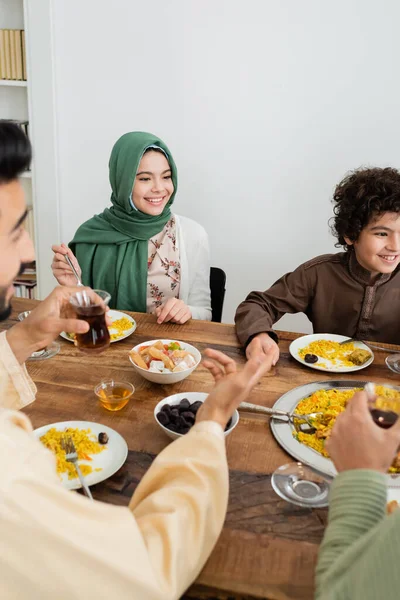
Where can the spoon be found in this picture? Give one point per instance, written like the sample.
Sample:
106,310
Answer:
274,412
78,279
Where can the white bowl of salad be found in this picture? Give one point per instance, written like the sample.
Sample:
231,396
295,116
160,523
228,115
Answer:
164,361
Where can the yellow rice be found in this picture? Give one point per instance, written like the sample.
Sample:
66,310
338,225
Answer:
85,444
331,403
332,351
122,326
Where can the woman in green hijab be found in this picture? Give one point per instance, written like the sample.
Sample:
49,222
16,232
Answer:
146,257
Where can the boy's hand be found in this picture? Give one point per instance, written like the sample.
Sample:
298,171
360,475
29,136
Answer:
263,344
357,442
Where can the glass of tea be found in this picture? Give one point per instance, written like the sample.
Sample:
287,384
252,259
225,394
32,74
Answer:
385,411
92,310
114,395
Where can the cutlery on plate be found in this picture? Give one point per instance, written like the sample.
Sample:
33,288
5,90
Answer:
273,412
348,340
71,455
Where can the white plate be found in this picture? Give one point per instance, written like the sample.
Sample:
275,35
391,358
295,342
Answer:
283,431
305,340
109,461
114,316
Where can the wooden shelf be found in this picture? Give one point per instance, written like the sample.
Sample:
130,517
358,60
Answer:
13,83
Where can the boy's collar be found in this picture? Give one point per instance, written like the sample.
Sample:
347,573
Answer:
362,275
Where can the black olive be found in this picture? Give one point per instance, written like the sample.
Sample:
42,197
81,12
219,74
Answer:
184,404
311,358
103,438
195,406
172,427
174,414
188,416
163,418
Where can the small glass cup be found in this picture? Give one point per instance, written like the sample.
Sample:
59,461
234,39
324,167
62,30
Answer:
114,395
300,485
393,363
384,410
91,310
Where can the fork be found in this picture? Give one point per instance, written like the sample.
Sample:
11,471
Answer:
348,340
71,455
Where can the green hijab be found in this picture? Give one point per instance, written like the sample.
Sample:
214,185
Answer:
112,248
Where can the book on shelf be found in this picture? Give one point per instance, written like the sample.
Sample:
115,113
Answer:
26,283
24,69
2,55
7,53
18,54
12,54
25,290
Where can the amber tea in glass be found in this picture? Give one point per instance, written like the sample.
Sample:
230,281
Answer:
114,395
97,339
384,410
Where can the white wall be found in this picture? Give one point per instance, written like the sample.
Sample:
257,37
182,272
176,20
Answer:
265,105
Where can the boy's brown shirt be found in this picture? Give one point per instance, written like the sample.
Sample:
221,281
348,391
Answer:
335,293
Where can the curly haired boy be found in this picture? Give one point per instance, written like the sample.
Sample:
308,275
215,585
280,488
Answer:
354,293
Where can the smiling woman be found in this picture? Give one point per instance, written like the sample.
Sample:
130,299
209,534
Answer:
146,257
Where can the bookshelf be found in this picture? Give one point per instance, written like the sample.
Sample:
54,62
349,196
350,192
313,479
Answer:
15,104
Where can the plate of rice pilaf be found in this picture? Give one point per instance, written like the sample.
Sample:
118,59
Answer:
97,461
121,327
323,351
330,398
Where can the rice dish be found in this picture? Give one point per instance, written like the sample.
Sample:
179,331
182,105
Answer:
121,326
331,403
85,444
338,354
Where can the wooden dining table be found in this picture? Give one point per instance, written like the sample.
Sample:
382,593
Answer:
268,548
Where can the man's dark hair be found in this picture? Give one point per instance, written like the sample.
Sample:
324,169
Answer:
362,196
15,151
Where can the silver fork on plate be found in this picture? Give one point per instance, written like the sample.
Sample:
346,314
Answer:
348,340
71,455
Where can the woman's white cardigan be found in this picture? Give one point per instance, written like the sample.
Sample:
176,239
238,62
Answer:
194,252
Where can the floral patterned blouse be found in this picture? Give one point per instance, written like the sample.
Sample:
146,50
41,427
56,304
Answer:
164,267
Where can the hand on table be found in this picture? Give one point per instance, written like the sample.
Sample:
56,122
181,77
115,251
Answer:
174,310
231,386
52,316
263,344
356,442
61,269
